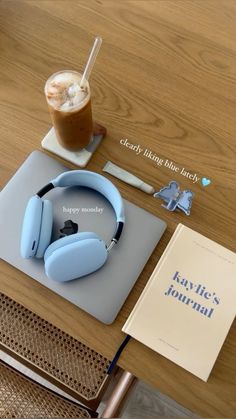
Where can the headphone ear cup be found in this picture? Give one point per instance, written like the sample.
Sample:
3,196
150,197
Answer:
46,229
64,241
74,256
31,227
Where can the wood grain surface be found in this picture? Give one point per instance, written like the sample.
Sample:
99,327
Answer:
164,79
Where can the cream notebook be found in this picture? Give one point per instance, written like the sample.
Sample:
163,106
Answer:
189,303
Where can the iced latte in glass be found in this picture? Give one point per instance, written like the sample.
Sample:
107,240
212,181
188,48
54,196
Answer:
70,109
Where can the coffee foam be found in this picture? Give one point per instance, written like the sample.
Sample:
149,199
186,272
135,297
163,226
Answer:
64,93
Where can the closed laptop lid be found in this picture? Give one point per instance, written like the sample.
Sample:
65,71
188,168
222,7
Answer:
103,292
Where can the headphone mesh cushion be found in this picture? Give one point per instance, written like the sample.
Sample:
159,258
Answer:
46,229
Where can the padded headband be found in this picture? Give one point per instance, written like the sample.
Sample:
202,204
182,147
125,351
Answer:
94,181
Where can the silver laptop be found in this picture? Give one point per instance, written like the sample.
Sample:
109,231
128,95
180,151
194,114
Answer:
101,293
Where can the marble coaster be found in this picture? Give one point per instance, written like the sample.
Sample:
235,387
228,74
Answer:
79,158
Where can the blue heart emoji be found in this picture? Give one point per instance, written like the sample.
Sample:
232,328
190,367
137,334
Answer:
205,181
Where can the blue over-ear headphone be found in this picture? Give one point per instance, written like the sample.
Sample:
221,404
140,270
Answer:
76,255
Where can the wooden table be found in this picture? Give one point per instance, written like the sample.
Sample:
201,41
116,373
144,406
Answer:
164,79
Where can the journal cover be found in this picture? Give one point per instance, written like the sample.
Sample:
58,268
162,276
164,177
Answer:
188,305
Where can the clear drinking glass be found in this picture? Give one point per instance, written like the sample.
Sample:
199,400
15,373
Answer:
70,109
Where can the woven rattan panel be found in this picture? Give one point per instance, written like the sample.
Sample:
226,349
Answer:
22,398
49,349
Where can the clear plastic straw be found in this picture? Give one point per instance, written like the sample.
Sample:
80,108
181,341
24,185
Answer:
91,60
